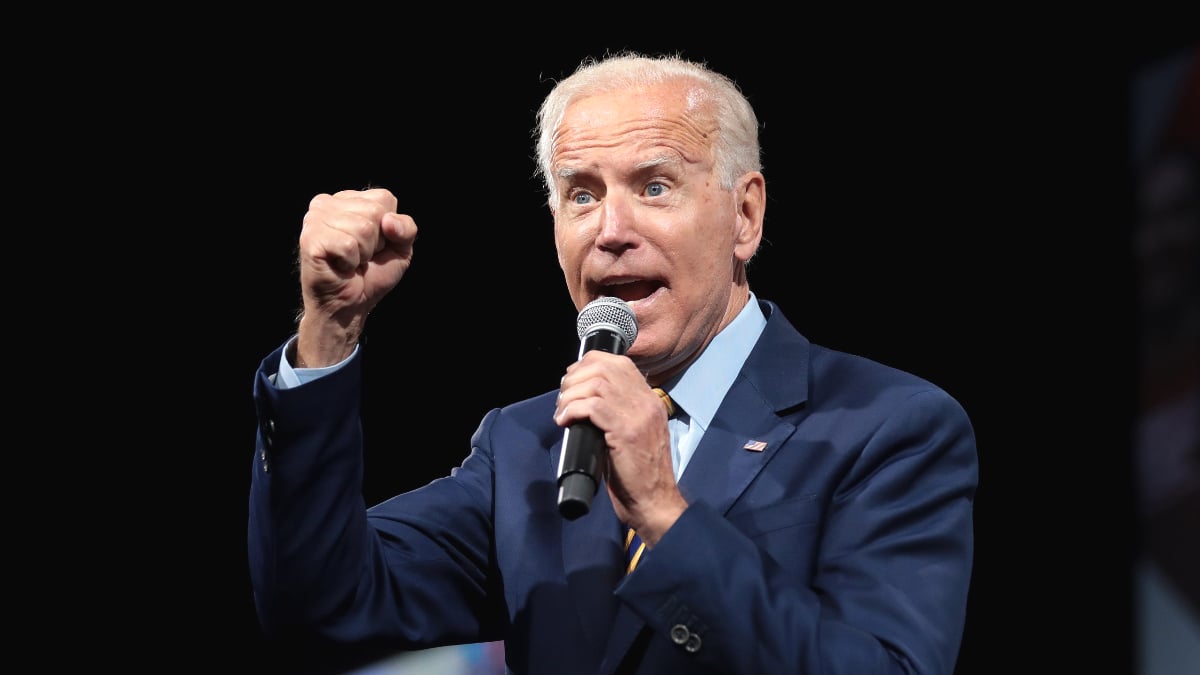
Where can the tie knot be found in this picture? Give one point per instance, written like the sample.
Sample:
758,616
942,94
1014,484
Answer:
666,399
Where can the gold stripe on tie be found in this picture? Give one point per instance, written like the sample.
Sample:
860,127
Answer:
632,540
666,399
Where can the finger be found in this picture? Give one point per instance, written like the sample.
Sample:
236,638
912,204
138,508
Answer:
399,231
348,219
394,251
615,399
377,197
578,401
342,240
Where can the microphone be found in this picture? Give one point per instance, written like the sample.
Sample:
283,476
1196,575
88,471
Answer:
607,324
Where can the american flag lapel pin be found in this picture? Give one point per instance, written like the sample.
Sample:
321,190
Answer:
755,446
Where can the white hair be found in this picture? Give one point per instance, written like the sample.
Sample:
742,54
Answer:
735,148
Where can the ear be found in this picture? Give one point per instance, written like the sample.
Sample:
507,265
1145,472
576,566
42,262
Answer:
751,196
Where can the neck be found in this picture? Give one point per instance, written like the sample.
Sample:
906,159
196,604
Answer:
739,296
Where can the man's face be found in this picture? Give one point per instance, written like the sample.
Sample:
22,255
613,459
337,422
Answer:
641,216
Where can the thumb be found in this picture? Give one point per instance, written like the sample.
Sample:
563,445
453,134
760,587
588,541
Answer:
399,230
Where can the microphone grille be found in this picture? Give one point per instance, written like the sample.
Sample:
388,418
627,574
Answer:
608,312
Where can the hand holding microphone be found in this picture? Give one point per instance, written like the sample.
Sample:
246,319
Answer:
607,324
616,428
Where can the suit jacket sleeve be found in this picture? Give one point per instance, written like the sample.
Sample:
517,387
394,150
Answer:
316,560
873,579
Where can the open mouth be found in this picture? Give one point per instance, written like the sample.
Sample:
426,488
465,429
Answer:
631,291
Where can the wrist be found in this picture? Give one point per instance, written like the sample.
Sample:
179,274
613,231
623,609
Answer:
321,343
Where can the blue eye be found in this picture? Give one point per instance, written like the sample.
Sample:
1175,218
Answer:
581,198
655,189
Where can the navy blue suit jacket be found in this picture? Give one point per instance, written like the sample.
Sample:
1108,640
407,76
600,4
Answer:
843,546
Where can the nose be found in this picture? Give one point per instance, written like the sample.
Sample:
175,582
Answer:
618,229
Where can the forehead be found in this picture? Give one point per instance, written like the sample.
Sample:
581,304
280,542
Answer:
667,117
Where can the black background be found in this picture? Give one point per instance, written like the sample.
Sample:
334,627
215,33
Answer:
951,203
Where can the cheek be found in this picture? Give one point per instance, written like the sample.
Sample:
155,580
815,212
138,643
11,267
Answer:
566,251
570,261
562,245
572,240
705,246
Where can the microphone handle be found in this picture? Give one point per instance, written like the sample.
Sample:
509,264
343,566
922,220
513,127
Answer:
584,452
583,464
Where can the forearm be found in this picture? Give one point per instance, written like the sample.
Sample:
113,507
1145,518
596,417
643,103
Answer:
306,508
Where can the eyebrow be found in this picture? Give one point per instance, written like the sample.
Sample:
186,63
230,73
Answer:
657,161
566,172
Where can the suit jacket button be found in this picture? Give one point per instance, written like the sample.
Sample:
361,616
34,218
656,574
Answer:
680,634
268,432
693,644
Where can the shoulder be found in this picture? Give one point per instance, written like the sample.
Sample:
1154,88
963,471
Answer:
837,378
531,419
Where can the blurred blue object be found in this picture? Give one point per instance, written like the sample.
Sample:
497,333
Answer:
484,658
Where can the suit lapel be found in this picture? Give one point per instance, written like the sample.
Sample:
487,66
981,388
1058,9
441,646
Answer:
741,440
748,428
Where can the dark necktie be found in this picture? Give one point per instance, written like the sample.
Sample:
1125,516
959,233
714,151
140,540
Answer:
633,543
